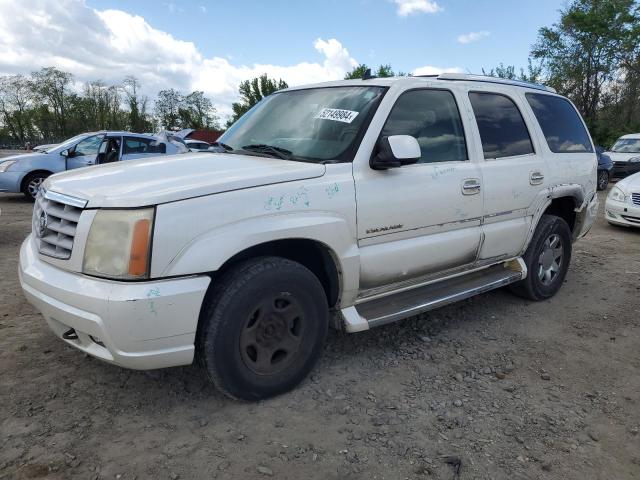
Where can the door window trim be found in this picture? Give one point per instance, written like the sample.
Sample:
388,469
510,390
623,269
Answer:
515,104
464,131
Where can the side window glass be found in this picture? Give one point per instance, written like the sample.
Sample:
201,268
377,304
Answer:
560,124
502,129
432,117
88,146
135,145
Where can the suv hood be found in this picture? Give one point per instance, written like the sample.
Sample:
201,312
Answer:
620,156
156,180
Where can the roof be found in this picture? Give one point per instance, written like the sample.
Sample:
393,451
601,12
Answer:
431,80
631,136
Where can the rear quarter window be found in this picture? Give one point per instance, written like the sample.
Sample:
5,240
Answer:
560,124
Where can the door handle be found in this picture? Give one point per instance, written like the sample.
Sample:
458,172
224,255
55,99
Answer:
536,178
471,186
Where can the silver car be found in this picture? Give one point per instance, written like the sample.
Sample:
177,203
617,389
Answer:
26,172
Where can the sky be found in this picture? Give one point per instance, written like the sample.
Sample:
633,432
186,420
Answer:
214,45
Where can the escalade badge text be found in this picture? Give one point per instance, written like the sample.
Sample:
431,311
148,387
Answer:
384,229
42,225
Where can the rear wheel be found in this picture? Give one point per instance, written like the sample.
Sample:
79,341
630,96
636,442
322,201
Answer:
603,179
32,183
263,328
547,259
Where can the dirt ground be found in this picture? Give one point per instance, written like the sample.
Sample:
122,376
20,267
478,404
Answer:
492,388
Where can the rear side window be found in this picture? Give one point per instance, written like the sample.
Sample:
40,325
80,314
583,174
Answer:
560,124
136,145
432,117
502,128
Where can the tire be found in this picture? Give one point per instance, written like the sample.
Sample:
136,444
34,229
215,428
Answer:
262,328
547,261
603,179
32,183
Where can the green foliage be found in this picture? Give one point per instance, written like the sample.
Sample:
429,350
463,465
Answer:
43,108
251,92
590,51
359,71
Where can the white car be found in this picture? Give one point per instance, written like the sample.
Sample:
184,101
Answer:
625,154
349,204
197,145
623,202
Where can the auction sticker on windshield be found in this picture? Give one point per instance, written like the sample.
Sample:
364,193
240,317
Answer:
336,114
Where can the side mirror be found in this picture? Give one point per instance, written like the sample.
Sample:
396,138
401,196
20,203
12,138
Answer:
395,151
65,153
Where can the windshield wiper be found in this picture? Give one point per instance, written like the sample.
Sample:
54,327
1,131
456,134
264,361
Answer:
279,152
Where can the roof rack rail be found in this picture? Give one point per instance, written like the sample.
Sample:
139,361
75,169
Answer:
487,79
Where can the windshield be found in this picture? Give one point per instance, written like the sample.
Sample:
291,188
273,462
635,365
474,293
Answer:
316,124
68,143
626,145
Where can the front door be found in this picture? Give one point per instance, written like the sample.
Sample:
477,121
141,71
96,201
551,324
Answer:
84,153
424,218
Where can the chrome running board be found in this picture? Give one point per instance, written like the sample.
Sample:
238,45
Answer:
407,303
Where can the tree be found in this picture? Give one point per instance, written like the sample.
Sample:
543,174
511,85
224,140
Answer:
167,108
251,92
198,112
51,88
532,74
15,106
359,71
138,120
583,52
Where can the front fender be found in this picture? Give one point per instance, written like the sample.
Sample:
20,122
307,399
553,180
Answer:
199,235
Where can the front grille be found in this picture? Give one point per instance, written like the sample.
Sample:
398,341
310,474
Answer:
635,198
54,226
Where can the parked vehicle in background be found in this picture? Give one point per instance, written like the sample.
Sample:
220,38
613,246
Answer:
623,202
353,203
625,154
605,166
197,145
45,147
25,173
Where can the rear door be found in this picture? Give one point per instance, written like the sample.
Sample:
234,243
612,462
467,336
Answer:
514,172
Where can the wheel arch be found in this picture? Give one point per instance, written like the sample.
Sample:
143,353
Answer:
318,257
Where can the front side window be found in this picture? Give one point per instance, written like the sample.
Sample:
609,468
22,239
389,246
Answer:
315,124
626,145
560,124
432,117
88,146
502,129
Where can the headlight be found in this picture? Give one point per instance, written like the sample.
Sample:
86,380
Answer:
5,165
617,195
118,244
634,160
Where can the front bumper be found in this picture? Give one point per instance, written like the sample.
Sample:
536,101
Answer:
139,325
624,169
10,181
625,214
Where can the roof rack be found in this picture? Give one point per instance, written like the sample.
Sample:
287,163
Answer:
484,78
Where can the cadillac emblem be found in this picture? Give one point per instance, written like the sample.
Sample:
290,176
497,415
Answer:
42,224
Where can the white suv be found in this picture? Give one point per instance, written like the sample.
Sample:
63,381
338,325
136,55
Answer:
351,204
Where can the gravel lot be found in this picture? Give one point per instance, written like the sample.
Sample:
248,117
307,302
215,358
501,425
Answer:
495,387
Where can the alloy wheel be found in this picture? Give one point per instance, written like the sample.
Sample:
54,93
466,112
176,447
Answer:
550,259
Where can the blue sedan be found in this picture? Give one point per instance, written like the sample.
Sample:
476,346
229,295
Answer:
25,173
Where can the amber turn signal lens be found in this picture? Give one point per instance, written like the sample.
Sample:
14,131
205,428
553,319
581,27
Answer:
139,248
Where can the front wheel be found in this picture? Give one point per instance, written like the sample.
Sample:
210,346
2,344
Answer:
603,179
32,183
262,328
547,259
